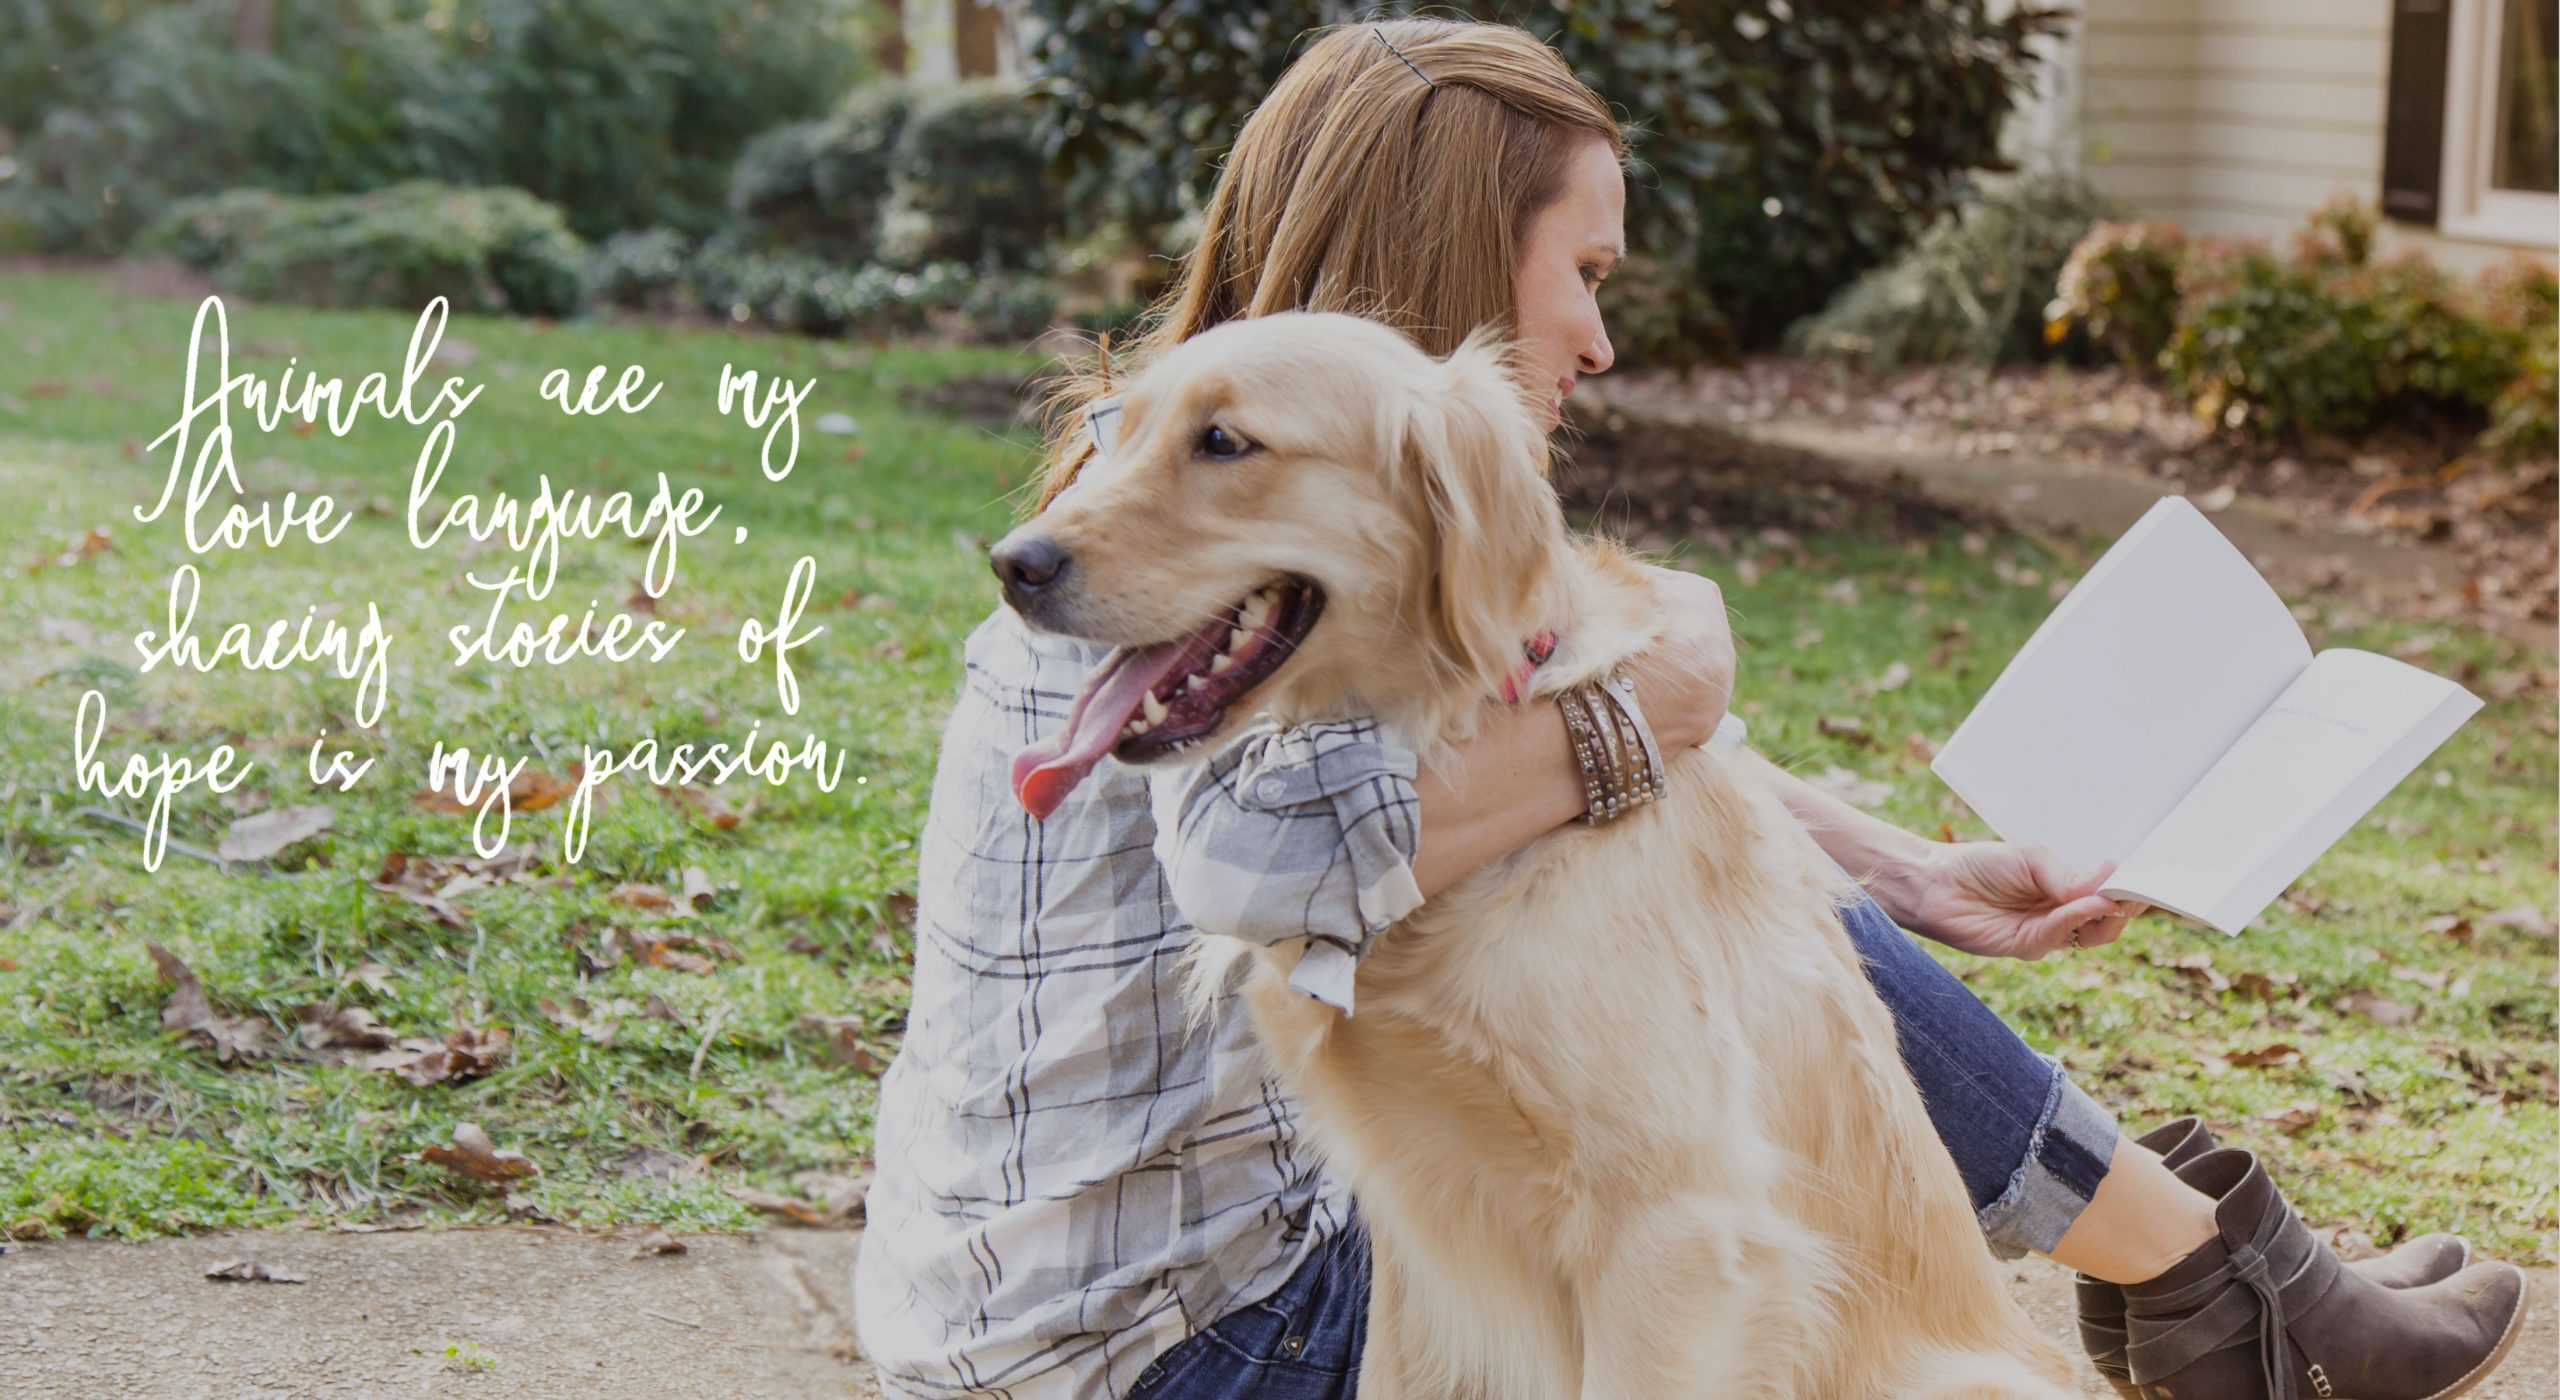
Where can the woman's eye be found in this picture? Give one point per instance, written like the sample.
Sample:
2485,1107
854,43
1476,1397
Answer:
1225,446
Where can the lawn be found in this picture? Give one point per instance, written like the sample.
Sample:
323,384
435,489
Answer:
2386,1032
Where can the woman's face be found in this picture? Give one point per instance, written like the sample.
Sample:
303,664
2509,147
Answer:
1570,247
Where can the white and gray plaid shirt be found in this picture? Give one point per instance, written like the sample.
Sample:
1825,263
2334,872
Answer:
1067,1182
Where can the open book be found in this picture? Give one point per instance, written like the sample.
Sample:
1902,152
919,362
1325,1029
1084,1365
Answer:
2170,716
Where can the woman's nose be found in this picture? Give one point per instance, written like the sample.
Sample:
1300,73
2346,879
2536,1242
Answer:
1598,356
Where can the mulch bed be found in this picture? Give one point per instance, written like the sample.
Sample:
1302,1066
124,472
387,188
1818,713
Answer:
2416,478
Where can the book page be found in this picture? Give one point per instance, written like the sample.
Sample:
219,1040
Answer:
2166,651
2334,744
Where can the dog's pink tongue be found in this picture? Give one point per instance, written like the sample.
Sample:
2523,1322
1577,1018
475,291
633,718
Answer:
1046,772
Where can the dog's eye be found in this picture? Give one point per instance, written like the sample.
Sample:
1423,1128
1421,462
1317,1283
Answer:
1224,446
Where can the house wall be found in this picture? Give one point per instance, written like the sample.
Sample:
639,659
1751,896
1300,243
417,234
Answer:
2238,117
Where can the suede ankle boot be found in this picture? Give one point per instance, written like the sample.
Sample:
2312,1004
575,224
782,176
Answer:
2264,1311
2413,1262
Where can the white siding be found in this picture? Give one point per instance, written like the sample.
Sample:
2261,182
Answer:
2239,117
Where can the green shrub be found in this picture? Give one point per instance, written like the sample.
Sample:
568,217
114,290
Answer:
624,113
2523,294
1786,146
1973,288
2328,340
643,270
2119,288
484,250
973,180
822,186
2270,346
808,295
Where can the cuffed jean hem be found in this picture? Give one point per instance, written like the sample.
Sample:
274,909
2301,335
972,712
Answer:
2067,1156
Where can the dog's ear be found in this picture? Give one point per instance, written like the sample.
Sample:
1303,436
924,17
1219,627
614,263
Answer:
1480,461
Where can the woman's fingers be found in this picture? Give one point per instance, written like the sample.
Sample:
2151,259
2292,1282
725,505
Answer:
2084,916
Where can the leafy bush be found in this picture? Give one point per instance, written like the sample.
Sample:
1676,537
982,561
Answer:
2522,294
821,186
2272,346
2328,340
1788,148
2119,288
485,250
973,174
1973,288
808,295
643,270
622,112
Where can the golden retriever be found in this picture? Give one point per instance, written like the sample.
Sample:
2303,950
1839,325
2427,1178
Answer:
1622,1112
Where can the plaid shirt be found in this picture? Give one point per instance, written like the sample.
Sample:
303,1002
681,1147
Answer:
1069,1182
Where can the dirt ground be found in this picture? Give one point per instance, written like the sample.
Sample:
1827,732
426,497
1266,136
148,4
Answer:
1677,450
543,1312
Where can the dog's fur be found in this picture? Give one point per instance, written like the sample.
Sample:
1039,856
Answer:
1622,1111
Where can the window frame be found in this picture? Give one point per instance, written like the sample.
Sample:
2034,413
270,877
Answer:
2469,206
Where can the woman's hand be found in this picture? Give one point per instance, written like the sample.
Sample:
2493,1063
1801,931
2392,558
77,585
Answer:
2001,901
1685,680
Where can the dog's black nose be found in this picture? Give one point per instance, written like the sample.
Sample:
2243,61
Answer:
1027,566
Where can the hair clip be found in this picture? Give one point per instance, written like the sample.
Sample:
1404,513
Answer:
1381,36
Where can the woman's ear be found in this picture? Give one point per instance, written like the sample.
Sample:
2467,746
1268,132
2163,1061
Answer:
1480,463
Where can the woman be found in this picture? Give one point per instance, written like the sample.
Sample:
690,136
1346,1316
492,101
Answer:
1080,1195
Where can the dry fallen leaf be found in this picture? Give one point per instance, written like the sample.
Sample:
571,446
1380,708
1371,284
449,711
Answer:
250,1271
528,791
347,1027
474,1155
703,805
844,1037
2529,919
640,894
88,544
698,889
838,1199
2293,1119
574,1013
2263,987
2262,1058
466,1053
262,836
1895,676
190,1013
657,1241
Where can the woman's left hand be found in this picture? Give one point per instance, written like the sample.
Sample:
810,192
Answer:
2002,901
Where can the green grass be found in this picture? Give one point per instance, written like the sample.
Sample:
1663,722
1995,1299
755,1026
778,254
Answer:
109,1124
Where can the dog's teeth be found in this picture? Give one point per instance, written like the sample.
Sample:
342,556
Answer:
1219,663
1235,637
1132,730
1154,708
1195,682
1256,608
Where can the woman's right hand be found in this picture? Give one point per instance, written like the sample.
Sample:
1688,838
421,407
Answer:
1685,680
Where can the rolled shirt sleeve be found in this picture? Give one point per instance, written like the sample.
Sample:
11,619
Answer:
1306,832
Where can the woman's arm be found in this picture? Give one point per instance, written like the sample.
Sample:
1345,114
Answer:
1984,897
1327,832
1516,780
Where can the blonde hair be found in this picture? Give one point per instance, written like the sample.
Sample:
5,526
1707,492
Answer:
1390,173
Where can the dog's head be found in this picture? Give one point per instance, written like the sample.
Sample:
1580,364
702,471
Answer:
1305,514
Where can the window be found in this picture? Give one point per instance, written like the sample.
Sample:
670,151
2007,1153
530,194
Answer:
2501,172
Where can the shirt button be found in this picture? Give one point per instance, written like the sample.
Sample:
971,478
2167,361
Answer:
1271,789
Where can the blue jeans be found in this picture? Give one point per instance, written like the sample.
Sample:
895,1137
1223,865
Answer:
2030,1145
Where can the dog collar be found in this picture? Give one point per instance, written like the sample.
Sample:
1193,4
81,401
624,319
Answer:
1534,653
